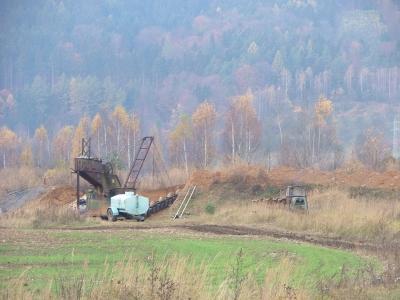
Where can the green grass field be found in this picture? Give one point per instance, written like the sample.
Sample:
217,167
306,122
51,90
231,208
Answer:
42,255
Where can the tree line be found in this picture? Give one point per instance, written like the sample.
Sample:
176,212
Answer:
60,59
202,139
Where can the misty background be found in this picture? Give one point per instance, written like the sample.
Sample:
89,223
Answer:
61,60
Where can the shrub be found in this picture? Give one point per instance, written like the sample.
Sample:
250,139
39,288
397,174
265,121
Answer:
210,208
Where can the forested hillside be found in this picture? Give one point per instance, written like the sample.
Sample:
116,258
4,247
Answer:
305,78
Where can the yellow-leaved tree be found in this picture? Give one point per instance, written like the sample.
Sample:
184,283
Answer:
41,141
26,157
62,145
95,128
242,127
203,124
179,137
81,131
120,119
8,142
323,109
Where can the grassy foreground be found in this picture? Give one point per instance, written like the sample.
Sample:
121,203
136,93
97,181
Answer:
36,260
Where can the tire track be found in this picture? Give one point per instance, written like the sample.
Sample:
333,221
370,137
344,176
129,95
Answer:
235,230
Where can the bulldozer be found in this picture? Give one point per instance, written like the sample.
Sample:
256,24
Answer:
293,197
296,197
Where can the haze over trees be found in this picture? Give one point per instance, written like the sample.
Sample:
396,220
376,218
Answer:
221,81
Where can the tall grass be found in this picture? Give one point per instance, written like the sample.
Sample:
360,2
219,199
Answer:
169,278
331,212
43,217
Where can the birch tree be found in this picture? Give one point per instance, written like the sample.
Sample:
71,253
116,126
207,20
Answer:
26,157
203,123
41,139
242,127
120,120
8,141
179,139
62,144
323,109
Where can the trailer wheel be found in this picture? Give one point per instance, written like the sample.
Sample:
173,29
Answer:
111,216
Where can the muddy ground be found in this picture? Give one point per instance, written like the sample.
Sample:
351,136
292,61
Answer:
228,230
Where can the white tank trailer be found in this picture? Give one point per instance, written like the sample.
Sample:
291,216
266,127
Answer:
134,206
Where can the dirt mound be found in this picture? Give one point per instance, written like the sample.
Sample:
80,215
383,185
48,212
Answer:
350,177
240,176
248,177
154,195
55,196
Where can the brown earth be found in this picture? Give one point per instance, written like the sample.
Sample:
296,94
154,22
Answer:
249,176
66,195
155,195
252,175
245,175
55,196
351,177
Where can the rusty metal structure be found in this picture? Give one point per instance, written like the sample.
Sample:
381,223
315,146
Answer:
137,165
107,184
100,175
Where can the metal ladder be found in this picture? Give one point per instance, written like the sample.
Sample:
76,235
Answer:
140,157
185,202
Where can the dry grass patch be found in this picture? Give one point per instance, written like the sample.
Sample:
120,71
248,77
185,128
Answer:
52,208
42,217
332,212
18,178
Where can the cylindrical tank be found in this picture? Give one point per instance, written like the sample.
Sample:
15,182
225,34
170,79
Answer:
131,203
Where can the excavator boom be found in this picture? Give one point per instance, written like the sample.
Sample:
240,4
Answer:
137,165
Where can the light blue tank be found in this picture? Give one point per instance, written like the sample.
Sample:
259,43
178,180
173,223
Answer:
129,203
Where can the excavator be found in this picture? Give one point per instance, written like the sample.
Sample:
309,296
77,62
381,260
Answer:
122,199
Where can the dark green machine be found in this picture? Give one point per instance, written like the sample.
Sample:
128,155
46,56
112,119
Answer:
296,197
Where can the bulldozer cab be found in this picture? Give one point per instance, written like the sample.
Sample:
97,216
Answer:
297,197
